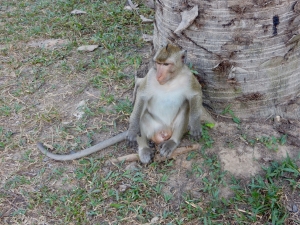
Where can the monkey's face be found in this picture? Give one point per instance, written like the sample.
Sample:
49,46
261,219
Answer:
164,72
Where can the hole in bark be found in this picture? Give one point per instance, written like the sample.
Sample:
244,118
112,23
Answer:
250,97
275,24
240,9
228,24
232,55
232,81
199,23
290,52
265,28
243,40
223,68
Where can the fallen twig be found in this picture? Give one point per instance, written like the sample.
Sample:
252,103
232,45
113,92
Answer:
157,157
126,158
249,213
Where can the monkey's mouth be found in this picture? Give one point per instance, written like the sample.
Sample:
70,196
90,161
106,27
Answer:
162,82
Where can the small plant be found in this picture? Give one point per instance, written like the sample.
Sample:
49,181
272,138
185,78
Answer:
270,142
5,110
167,197
287,169
16,181
124,106
227,110
191,67
208,141
5,137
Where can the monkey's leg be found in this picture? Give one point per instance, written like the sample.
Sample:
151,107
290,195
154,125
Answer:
148,125
180,125
146,154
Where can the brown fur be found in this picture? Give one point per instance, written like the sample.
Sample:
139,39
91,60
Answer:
166,53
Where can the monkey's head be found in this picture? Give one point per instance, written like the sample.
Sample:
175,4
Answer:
169,60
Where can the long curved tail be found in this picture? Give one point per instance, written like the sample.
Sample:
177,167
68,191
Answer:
104,144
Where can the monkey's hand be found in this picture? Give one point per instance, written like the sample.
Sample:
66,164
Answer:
196,132
167,148
132,133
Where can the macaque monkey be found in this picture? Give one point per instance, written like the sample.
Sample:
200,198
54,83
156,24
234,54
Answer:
167,101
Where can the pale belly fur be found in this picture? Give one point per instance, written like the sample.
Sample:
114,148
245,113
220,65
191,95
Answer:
165,108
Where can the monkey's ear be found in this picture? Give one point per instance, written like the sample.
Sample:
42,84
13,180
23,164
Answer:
183,54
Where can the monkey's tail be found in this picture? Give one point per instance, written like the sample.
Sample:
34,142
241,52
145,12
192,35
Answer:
85,152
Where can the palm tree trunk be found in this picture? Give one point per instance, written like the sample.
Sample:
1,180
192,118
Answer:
246,52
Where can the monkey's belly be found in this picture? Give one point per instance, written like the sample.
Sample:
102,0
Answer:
162,136
165,107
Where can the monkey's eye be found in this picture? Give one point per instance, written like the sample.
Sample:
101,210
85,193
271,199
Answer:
166,64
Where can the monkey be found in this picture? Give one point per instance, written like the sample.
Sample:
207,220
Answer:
167,102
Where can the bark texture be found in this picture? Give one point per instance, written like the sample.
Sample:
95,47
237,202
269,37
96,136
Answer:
247,52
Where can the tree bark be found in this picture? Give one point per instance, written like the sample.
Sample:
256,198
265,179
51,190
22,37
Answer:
246,52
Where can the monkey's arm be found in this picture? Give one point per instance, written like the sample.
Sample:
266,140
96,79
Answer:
138,108
195,104
85,152
195,116
137,82
134,124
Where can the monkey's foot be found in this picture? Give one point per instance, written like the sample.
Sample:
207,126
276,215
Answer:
196,133
167,148
132,144
146,155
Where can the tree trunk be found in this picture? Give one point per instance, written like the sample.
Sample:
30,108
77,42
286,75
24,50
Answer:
247,52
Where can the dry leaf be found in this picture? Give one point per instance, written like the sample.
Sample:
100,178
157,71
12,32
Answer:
132,166
131,6
3,47
48,146
145,20
236,70
293,39
267,159
78,12
87,48
123,187
187,18
79,112
147,37
296,22
154,220
128,8
69,137
150,3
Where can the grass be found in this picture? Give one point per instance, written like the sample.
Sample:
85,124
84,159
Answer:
265,195
40,89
